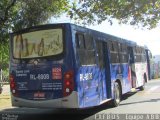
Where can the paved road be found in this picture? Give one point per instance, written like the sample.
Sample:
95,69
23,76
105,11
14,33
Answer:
140,102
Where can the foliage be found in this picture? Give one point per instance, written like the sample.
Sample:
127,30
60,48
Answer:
34,12
6,13
18,14
4,54
144,13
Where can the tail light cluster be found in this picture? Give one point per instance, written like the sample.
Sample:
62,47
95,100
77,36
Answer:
68,83
12,85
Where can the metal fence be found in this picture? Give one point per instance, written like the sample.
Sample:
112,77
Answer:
155,70
3,78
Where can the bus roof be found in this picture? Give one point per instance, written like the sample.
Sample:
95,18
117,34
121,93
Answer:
109,36
102,34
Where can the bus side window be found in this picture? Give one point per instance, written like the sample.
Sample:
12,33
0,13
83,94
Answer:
120,50
110,46
99,46
143,55
138,54
80,43
123,54
114,51
89,42
135,54
90,51
115,46
126,53
80,47
129,53
85,50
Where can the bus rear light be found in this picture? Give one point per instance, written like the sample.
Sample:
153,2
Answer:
68,75
68,83
13,91
12,85
67,90
12,82
11,78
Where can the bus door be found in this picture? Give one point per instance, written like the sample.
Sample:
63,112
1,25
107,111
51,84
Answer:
148,57
104,70
131,62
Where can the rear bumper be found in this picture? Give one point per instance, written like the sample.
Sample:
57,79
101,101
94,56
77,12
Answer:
70,101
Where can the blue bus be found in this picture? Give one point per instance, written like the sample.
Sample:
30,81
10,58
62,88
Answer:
69,66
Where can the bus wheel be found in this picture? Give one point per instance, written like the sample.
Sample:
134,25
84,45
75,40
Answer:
117,95
141,88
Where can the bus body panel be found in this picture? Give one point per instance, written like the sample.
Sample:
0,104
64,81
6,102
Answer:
121,72
88,86
91,86
141,70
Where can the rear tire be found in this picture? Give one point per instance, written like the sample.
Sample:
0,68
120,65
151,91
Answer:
141,88
117,95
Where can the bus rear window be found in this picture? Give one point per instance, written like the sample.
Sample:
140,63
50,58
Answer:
37,44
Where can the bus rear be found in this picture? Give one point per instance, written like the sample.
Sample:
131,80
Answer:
41,68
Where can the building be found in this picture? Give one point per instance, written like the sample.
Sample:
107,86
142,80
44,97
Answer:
155,67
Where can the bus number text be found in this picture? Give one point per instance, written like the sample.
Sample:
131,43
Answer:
39,77
86,76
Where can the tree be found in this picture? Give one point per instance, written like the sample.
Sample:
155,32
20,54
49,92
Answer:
34,12
4,55
5,11
144,13
18,14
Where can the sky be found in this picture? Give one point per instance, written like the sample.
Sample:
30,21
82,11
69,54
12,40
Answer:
150,38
